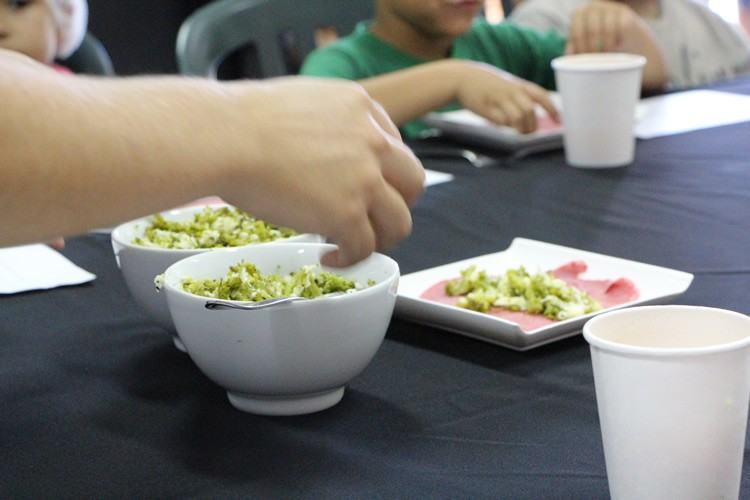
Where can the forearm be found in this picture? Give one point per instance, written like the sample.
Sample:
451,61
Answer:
102,151
408,94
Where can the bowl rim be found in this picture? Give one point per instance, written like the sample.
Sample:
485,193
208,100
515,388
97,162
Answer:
376,288
118,238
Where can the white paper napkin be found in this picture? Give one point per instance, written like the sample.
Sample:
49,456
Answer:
37,267
433,177
687,111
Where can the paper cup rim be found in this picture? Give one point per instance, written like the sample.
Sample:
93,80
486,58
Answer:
662,352
616,61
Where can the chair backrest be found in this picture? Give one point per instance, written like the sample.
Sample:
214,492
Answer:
91,58
282,32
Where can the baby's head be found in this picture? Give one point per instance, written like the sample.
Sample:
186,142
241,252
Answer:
44,30
434,18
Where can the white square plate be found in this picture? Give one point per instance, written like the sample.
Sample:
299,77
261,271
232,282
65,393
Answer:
655,285
467,126
464,125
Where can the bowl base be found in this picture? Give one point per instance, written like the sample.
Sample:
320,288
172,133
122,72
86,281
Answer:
178,343
298,404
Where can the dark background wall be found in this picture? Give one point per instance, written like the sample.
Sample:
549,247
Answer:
140,35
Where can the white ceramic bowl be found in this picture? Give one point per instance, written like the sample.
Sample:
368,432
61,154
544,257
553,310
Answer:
287,359
140,265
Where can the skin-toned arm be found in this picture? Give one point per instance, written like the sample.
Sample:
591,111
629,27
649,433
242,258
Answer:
496,95
608,26
319,156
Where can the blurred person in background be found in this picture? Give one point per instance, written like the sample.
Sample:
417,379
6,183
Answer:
418,56
44,30
699,46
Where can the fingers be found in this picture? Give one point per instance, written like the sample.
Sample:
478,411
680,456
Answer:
390,218
541,97
400,167
514,109
382,226
592,31
523,101
383,120
610,30
577,41
391,181
402,170
597,27
356,240
622,22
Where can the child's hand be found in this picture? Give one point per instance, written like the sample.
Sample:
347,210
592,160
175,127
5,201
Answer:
602,26
502,98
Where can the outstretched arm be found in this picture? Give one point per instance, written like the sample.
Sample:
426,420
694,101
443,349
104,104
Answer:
319,156
494,94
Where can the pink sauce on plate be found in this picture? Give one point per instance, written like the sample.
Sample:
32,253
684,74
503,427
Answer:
608,293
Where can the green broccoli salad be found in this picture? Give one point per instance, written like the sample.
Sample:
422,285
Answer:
517,290
245,282
210,228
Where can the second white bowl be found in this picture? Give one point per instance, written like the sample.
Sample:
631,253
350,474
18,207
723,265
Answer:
140,264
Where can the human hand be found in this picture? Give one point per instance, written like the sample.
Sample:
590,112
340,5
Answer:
328,161
603,26
502,98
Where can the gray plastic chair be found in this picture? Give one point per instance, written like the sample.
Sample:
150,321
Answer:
281,32
91,58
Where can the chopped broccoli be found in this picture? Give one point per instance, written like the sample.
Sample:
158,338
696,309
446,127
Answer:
245,282
517,290
211,228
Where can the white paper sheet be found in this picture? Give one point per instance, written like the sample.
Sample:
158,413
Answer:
691,110
37,267
433,177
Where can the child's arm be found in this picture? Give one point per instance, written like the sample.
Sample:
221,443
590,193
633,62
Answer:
489,92
607,26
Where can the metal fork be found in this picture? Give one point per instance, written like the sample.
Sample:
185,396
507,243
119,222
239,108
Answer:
476,160
214,305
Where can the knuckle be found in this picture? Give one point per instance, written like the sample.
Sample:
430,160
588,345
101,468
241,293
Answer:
370,181
377,141
350,214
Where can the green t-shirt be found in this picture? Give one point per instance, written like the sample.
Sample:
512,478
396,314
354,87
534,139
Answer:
521,51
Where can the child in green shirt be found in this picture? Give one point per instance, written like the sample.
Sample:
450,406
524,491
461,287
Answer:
417,56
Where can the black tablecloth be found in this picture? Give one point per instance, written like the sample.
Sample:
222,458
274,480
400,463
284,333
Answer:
97,402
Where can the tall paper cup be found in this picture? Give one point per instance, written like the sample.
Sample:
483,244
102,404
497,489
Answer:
672,386
599,94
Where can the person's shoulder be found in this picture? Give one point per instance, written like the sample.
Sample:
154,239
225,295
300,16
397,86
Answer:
337,59
693,7
697,11
698,14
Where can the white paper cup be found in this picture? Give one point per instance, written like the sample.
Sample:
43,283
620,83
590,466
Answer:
672,385
599,94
